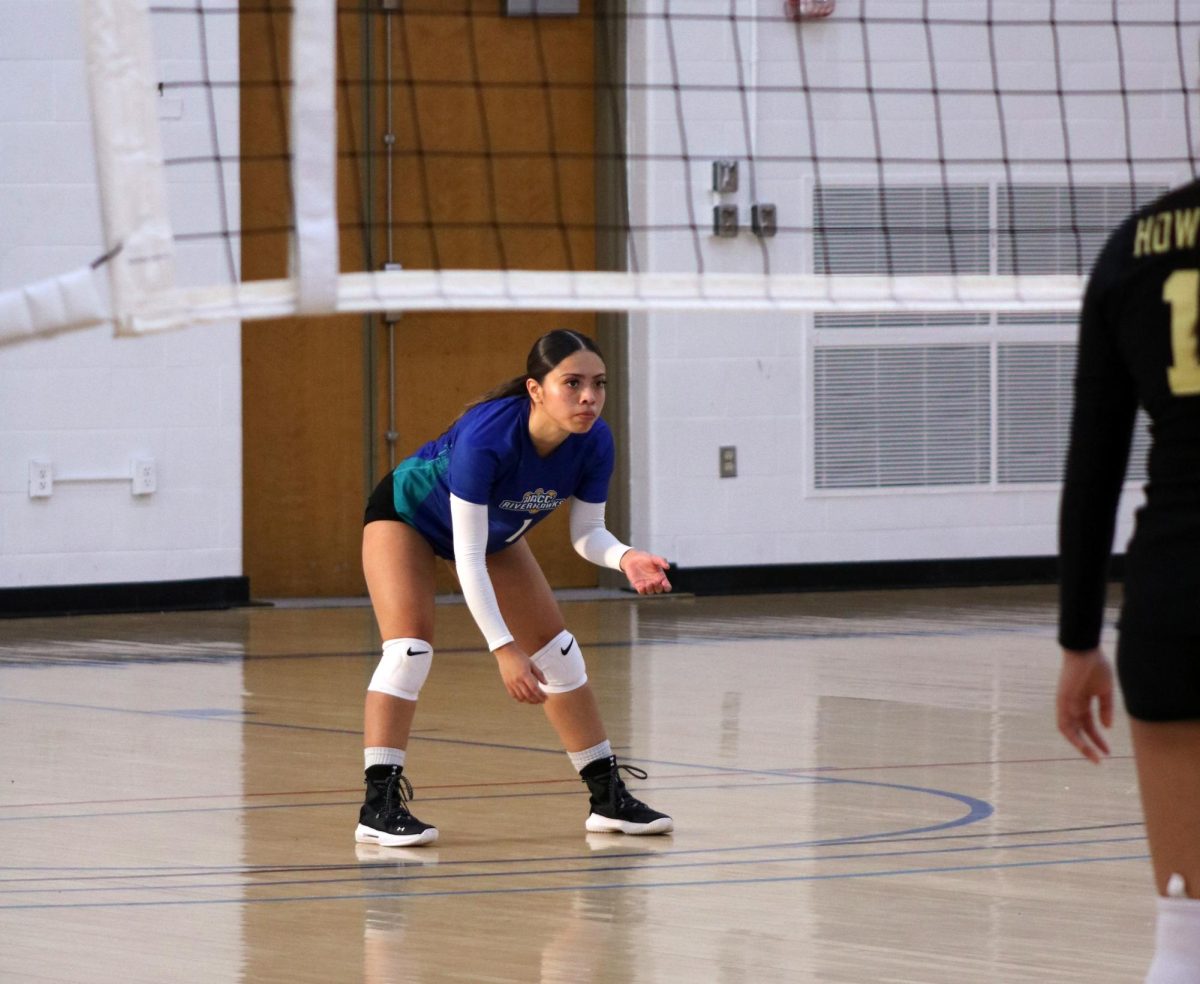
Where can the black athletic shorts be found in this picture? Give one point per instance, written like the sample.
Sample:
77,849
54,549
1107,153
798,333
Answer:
1158,651
1160,675
382,503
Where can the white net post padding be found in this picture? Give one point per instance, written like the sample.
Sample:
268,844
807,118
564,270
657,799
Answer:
46,307
314,155
137,230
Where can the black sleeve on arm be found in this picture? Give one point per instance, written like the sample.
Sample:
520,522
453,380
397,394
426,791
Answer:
1101,431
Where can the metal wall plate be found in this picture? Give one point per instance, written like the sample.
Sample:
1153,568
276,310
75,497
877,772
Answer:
762,219
727,461
725,221
725,176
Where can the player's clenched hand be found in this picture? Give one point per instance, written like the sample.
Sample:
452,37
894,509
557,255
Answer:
647,572
1086,676
520,675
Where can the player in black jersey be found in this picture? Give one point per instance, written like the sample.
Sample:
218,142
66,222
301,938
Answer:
1138,343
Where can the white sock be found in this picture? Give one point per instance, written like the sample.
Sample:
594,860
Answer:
589,755
1177,943
378,755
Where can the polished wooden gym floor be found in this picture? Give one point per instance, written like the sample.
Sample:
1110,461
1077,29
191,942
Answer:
867,787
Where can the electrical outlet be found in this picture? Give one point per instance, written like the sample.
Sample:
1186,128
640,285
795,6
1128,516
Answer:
41,479
727,467
725,221
145,476
762,220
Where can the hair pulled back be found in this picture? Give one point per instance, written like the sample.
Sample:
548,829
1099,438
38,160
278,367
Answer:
547,352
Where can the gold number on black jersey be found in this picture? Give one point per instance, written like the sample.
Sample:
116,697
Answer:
1183,376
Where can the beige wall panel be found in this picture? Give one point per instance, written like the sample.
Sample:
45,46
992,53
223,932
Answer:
302,379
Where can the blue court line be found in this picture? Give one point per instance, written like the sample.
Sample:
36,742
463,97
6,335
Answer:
700,883
429,875
418,736
190,714
343,804
976,809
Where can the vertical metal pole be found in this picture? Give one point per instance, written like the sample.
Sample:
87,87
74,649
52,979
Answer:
389,143
368,321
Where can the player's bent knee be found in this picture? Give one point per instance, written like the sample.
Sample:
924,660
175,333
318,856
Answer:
403,669
561,663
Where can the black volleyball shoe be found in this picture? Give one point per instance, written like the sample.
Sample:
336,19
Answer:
384,818
613,808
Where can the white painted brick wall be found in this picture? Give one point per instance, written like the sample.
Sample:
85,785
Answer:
90,403
85,401
699,381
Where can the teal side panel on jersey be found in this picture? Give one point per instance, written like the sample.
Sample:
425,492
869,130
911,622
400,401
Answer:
414,479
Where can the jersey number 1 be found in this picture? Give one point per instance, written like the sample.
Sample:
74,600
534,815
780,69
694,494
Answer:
1183,377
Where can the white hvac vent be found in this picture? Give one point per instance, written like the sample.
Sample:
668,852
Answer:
1033,411
901,229
1054,228
895,416
1036,391
899,321
1037,319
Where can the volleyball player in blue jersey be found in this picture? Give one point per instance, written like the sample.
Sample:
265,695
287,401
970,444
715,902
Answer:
1138,344
523,450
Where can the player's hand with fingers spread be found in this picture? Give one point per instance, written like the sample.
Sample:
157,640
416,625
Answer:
647,572
520,675
1086,676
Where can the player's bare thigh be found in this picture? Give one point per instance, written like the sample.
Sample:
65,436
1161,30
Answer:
400,568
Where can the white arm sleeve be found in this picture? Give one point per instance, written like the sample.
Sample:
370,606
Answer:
591,538
469,521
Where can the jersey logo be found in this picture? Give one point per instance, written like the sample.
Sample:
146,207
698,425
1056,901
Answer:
418,652
567,648
539,500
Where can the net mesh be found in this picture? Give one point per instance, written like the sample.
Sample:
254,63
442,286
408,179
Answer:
893,156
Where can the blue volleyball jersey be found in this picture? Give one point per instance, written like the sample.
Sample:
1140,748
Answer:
487,457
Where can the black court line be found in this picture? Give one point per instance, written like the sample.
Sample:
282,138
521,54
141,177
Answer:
652,862
405,858
586,886
38,660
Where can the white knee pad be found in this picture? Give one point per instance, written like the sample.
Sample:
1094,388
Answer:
403,669
561,664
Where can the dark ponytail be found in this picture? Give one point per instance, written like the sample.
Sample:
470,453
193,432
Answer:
547,352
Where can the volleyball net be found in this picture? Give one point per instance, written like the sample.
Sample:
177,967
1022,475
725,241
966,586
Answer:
893,158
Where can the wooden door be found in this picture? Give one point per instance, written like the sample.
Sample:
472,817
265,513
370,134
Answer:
489,168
